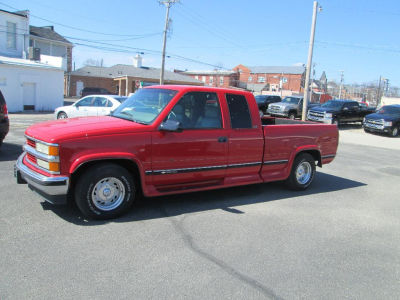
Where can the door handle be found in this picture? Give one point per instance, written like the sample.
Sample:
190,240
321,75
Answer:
222,139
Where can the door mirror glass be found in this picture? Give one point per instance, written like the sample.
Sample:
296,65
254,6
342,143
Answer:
170,125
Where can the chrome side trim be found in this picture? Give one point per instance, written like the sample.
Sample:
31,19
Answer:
276,162
39,141
40,155
328,156
208,168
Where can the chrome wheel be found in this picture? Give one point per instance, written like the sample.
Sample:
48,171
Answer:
395,131
62,115
108,193
303,172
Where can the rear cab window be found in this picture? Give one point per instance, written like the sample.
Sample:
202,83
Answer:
239,111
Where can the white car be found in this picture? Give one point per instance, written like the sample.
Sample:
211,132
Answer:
93,105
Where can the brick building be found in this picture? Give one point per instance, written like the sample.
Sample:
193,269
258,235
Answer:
215,78
120,79
271,78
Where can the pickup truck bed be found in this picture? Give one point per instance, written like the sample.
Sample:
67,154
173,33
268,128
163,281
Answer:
167,140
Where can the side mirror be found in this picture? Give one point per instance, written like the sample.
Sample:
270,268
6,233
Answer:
170,125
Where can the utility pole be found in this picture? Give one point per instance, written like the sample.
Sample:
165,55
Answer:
309,61
341,84
167,3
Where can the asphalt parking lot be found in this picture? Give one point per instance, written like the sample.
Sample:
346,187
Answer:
339,239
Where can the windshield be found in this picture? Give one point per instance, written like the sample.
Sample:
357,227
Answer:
332,104
291,100
389,110
145,105
260,99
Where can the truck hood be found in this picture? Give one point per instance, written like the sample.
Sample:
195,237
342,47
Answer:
64,129
284,105
386,117
323,109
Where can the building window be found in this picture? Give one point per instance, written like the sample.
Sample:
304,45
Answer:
211,80
250,79
203,78
196,77
11,35
221,80
261,79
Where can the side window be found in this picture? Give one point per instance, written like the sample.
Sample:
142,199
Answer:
86,101
239,111
197,110
100,102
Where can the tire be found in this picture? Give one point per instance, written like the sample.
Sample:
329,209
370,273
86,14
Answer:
292,116
261,113
62,115
395,131
105,191
302,174
335,121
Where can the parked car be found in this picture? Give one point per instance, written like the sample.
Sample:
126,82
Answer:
339,111
94,105
168,140
264,100
385,120
4,121
94,91
290,107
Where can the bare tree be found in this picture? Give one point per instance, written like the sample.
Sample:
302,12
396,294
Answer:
94,62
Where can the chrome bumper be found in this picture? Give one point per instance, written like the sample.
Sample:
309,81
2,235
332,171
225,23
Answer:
54,189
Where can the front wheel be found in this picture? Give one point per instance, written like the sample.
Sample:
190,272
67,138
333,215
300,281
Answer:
303,171
62,115
105,191
395,131
292,116
335,121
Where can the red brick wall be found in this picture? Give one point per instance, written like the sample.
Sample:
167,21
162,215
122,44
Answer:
229,80
99,82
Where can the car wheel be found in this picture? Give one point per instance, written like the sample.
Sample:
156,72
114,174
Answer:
261,113
302,173
335,121
292,116
395,131
62,115
105,191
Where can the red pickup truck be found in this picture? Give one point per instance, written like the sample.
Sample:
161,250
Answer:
167,140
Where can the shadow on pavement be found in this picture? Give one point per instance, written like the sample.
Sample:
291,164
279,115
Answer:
9,152
225,199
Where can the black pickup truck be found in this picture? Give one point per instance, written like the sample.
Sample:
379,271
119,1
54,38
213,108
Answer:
385,120
338,112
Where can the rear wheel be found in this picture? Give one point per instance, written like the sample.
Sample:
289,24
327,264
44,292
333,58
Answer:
292,116
302,173
335,121
105,191
62,115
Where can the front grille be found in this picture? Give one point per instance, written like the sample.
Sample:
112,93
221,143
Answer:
377,124
31,158
274,108
31,143
316,114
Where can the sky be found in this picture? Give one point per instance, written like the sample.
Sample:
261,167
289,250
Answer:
359,37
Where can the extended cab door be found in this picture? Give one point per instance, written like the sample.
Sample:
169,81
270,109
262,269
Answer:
196,155
246,141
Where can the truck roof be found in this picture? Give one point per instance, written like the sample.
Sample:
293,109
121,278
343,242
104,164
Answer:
197,88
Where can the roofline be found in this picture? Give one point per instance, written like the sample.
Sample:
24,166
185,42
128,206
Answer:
54,41
13,13
36,66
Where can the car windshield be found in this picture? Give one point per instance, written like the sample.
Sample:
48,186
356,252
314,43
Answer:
291,100
389,110
260,99
332,104
144,106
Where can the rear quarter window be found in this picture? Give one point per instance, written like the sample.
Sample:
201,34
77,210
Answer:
239,111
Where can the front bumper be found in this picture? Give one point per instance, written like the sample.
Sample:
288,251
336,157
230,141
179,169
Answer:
53,188
320,120
377,128
276,113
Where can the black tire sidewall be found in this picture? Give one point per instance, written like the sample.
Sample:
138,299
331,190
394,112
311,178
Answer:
62,113
89,179
292,182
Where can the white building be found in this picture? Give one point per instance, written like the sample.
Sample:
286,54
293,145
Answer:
29,85
14,33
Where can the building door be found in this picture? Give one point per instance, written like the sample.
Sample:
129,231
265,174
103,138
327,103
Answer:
79,88
29,95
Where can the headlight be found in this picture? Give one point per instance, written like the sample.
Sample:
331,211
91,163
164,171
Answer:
51,166
328,115
47,149
387,124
